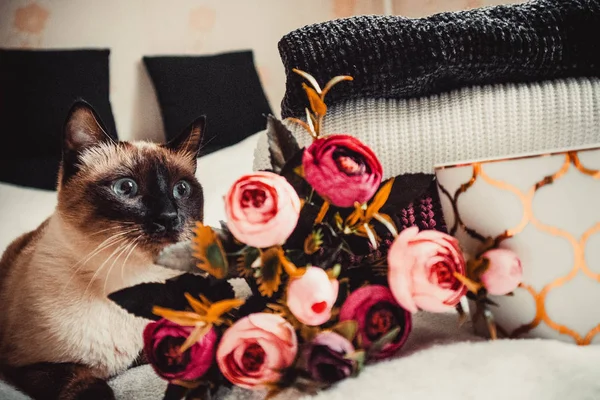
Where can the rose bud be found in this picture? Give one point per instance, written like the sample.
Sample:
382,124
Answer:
162,341
254,351
325,358
262,209
504,272
377,313
342,170
421,270
312,296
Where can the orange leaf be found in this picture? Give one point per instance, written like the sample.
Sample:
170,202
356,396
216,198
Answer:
289,267
196,305
183,318
197,334
379,199
471,285
219,308
316,104
322,213
356,216
211,313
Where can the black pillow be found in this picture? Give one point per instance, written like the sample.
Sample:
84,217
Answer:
224,87
37,89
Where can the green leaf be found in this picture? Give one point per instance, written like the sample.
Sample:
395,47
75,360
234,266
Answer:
282,143
336,271
386,339
347,329
359,357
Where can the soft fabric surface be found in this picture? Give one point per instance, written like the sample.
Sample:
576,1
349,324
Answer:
441,361
397,57
470,123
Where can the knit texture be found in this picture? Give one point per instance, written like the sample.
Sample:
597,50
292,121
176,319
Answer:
396,57
471,123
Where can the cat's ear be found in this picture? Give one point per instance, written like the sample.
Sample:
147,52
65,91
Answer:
83,129
188,141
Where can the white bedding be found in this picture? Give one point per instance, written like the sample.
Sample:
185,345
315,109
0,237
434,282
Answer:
440,361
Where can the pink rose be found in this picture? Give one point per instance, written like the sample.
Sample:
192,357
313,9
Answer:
421,267
504,272
312,296
262,209
342,170
162,341
376,311
254,351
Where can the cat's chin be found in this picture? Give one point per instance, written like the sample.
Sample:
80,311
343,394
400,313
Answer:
155,246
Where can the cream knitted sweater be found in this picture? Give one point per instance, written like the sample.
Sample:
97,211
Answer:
470,123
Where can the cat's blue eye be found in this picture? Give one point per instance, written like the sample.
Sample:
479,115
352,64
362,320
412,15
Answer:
125,187
182,189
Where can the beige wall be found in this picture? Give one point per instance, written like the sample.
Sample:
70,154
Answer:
133,28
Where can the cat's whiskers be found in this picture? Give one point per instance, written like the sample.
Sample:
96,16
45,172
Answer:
125,247
112,228
135,243
101,267
106,244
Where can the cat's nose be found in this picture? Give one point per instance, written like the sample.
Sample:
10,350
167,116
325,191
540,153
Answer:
166,221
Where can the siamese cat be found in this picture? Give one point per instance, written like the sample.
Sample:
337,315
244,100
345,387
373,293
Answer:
119,204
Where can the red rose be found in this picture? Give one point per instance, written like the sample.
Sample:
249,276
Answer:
162,341
342,170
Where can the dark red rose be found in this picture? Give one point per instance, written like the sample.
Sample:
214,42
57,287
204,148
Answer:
342,170
377,313
162,341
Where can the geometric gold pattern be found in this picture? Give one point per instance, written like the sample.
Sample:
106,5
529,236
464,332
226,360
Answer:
526,197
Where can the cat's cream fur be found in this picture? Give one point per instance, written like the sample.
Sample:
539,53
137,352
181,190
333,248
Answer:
52,313
54,281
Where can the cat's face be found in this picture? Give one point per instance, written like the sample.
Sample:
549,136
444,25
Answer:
131,193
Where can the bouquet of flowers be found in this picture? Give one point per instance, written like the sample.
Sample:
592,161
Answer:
332,283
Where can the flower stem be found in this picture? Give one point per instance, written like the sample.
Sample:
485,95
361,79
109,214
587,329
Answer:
310,196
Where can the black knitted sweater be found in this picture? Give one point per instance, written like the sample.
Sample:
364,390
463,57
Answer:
396,57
